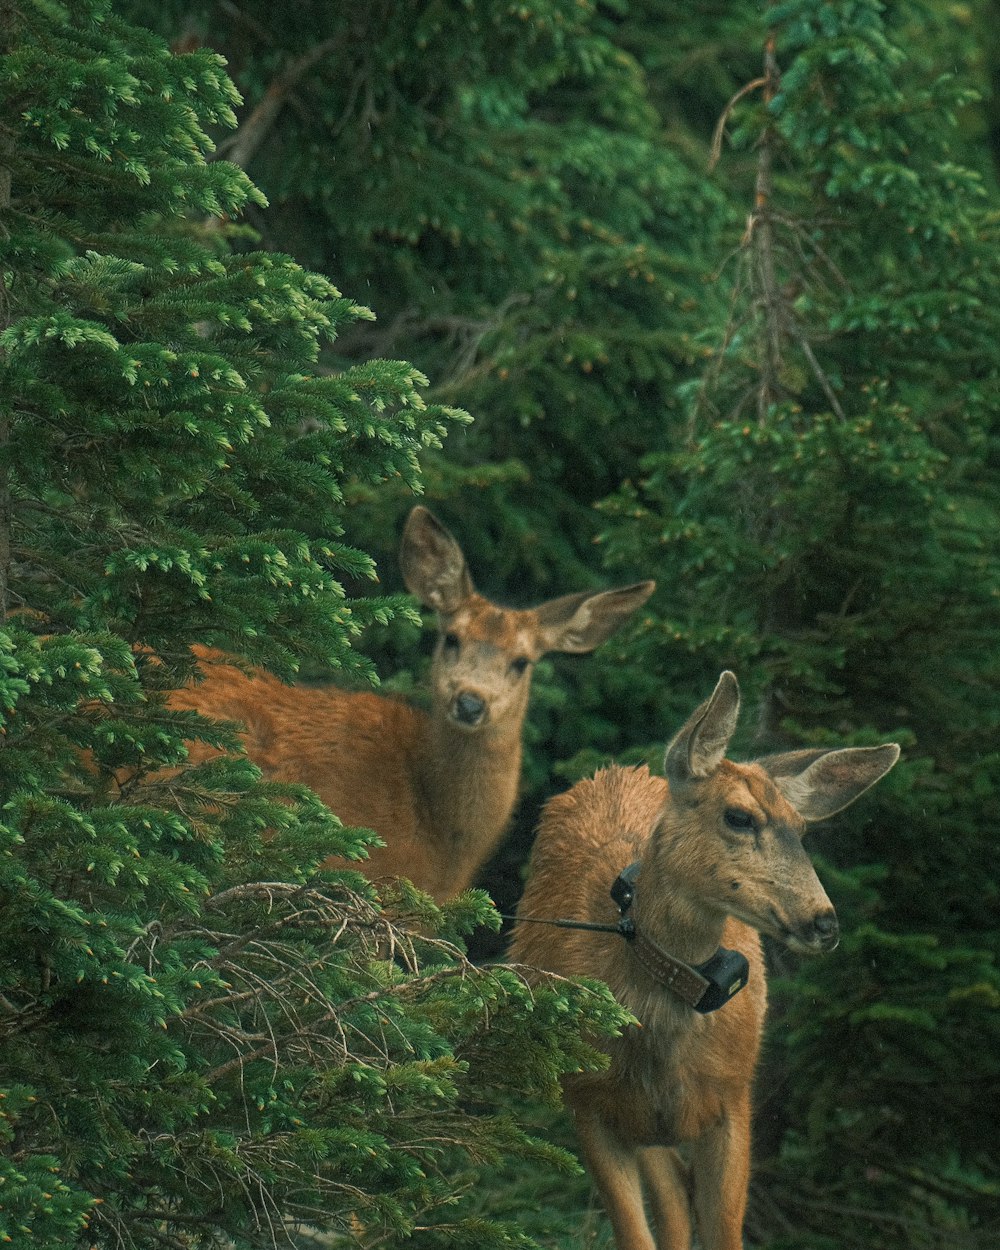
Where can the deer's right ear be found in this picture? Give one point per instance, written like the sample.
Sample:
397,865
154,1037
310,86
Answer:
579,623
700,746
432,563
819,783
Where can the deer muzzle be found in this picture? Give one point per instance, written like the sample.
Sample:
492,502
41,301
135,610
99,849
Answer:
812,936
468,709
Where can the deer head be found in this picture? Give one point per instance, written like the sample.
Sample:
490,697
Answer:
484,656
730,835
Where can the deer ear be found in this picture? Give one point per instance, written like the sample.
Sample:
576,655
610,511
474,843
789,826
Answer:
432,563
581,622
819,783
700,746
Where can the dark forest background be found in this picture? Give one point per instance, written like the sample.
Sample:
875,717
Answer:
718,287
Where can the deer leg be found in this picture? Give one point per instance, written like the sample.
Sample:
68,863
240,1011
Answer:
720,1168
614,1168
665,1178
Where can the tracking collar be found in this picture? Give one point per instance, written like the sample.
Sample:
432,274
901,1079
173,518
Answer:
705,987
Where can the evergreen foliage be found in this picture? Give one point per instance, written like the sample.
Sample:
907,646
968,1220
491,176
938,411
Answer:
794,431
495,174
792,426
174,345
204,1036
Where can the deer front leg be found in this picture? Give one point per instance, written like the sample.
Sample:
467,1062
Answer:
720,1170
614,1168
665,1178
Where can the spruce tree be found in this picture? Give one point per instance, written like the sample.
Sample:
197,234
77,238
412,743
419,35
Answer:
205,1037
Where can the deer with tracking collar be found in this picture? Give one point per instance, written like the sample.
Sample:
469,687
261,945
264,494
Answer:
711,855
439,788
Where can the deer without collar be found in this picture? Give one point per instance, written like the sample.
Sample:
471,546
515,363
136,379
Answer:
439,788
719,853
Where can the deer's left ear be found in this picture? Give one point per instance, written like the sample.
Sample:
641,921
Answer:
700,746
432,563
819,783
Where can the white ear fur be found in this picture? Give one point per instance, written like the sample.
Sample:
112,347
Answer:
700,746
432,563
820,783
579,623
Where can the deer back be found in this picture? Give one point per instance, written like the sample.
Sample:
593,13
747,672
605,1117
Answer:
360,752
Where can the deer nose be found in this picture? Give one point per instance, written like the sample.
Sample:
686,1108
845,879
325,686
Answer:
826,930
468,708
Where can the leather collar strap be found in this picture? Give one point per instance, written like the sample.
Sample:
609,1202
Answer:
705,987
672,973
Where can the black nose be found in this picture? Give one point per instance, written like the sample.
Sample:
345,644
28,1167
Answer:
827,930
469,708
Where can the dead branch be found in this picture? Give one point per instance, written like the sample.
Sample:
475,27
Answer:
241,147
715,151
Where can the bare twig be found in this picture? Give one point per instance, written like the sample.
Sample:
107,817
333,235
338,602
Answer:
241,147
818,373
759,289
760,229
720,126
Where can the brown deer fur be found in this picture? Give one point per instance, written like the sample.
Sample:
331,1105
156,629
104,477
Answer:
721,858
439,788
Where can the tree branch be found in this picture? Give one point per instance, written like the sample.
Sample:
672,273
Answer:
241,147
6,512
715,151
760,231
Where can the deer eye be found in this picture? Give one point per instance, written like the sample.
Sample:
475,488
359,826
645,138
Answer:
452,645
519,665
739,820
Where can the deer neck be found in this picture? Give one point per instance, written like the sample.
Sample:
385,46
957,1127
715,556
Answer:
670,916
470,781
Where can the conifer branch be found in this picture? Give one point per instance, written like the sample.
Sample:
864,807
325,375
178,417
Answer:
6,517
241,147
770,298
760,232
